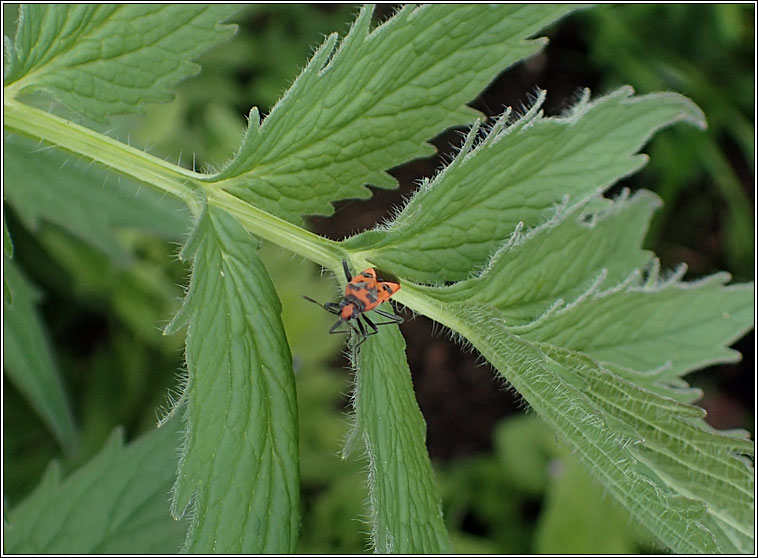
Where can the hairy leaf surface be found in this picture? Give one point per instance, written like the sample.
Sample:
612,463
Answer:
674,326
239,469
555,264
604,370
372,103
518,174
674,474
406,511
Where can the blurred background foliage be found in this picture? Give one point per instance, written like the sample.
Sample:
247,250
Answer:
508,486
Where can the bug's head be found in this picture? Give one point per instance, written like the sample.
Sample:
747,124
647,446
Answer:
348,311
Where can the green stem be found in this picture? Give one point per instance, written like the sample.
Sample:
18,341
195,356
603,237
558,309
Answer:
167,177
321,250
29,121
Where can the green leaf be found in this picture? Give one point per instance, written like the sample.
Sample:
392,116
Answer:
576,278
28,358
669,470
671,326
578,250
240,462
679,478
372,103
117,503
86,200
7,253
7,242
406,513
518,174
101,60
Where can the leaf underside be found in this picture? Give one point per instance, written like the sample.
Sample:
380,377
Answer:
239,468
603,367
405,507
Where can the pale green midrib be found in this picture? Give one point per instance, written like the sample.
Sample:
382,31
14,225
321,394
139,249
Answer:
188,186
153,171
320,250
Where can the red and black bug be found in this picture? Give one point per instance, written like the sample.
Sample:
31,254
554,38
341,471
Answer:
362,294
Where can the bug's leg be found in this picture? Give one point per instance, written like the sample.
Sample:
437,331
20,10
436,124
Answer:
332,307
337,324
363,335
348,275
372,325
394,317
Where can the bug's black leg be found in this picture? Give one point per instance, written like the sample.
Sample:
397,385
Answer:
363,334
395,318
348,275
372,325
358,329
338,323
332,307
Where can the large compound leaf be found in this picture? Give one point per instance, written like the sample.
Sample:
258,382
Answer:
101,59
239,469
117,503
681,480
372,103
406,513
28,358
517,174
623,416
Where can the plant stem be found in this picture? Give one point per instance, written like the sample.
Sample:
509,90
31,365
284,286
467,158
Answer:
320,250
41,125
167,177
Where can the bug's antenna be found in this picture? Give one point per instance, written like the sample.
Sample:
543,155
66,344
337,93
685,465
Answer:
313,301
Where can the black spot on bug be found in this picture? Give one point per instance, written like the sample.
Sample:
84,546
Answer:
359,305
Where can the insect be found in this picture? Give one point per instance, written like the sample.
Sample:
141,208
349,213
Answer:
362,293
